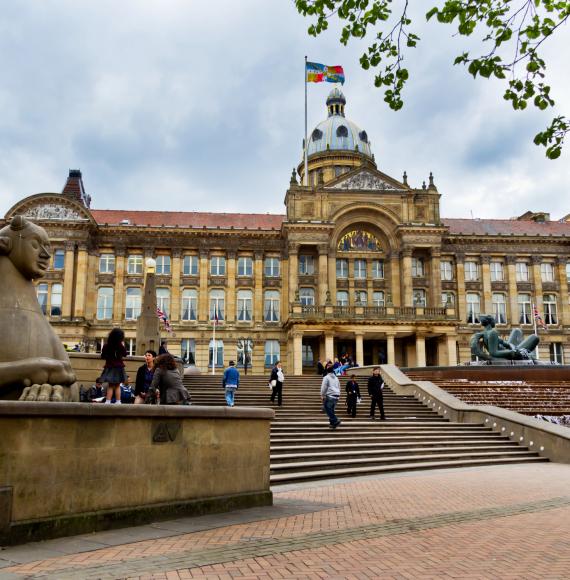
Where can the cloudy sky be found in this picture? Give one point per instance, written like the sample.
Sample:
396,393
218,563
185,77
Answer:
191,105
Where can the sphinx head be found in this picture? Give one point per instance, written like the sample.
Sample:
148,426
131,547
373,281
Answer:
27,246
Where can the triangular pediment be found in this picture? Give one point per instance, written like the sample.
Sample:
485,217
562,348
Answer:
50,207
367,180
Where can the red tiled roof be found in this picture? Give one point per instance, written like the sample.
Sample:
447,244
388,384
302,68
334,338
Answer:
490,227
187,219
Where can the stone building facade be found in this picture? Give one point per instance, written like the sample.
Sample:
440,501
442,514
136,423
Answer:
360,263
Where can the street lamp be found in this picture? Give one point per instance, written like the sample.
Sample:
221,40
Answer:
247,344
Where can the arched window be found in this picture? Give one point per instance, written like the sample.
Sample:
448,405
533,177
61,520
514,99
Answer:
42,294
105,303
342,132
499,308
473,307
56,299
550,315
244,305
218,352
133,303
217,304
307,296
163,300
342,298
189,304
378,298
271,306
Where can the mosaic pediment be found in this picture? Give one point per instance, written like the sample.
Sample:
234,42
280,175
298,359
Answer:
53,211
359,241
365,180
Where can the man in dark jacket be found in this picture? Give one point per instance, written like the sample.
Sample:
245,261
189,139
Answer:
375,386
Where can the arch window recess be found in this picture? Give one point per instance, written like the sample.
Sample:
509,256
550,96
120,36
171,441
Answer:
342,131
363,136
359,241
317,135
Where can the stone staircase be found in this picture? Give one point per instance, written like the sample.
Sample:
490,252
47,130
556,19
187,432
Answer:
413,437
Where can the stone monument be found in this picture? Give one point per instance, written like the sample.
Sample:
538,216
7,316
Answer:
148,324
32,355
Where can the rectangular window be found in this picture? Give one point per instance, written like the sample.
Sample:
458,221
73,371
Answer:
378,269
131,346
133,303
342,298
105,303
521,269
42,293
163,265
446,269
378,298
218,266
188,350
307,296
417,268
271,267
547,272
524,309
568,272
190,266
497,272
135,264
271,306
189,304
307,357
550,315
556,353
56,299
471,271
107,263
341,268
499,308
306,265
473,308
245,266
244,300
58,260
272,354
360,269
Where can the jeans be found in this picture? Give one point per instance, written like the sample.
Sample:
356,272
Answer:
329,405
230,393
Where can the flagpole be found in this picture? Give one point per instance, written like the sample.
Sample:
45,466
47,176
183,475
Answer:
214,344
306,177
534,312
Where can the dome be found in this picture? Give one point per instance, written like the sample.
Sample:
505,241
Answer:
337,133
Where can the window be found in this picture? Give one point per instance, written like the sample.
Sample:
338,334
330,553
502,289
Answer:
133,304
308,359
306,265
105,303
135,264
217,300
446,269
244,352
549,302
56,299
131,346
521,269
448,299
499,308
58,260
189,304
342,298
360,269
244,300
245,267
163,264
361,297
190,266
271,267
219,353
163,300
378,269
556,353
307,296
420,298
188,350
107,263
473,308
568,272
271,306
497,272
547,272
378,298
342,268
417,268
271,352
42,293
524,309
218,266
471,270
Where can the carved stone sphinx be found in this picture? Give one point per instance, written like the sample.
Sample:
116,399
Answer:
32,355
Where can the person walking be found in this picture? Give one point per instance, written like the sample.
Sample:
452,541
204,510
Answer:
168,381
230,382
144,377
352,395
113,353
330,393
375,387
320,368
276,380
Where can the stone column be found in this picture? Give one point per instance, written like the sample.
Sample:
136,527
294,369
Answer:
284,302
395,278
329,347
359,336
391,348
435,281
407,276
258,292
81,282
69,264
487,305
563,304
513,314
332,277
537,281
451,351
175,296
323,274
231,297
91,300
119,294
203,295
461,298
420,350
293,271
297,353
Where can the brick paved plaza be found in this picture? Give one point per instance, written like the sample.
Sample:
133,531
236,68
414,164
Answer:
492,522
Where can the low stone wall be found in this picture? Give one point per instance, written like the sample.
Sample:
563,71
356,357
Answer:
88,367
552,441
73,468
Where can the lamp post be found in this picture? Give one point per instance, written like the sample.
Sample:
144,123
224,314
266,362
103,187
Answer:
246,343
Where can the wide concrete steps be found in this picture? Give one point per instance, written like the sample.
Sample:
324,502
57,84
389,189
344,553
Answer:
304,448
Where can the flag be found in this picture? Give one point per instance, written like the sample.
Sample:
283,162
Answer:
317,73
162,315
538,318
